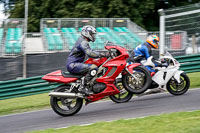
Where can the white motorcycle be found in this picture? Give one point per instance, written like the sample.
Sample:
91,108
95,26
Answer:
169,76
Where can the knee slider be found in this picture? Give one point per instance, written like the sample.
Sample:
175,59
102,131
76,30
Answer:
93,72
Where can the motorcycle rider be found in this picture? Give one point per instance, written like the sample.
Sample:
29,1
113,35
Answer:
75,61
145,51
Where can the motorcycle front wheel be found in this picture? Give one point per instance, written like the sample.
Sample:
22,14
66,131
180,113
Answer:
176,88
123,96
138,82
63,105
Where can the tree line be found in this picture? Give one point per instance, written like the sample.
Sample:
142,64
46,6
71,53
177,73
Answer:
142,12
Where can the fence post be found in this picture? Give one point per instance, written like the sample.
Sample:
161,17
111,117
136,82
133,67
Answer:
194,45
24,64
162,31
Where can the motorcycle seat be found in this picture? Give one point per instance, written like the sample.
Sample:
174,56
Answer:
70,75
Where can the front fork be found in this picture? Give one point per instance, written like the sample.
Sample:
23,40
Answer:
132,75
129,69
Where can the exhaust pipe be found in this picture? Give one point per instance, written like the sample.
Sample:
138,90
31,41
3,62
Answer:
64,94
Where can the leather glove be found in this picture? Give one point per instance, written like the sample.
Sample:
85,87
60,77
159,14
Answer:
163,61
105,54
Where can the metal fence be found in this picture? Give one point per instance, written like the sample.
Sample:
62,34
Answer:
174,40
80,22
184,18
66,40
38,42
11,36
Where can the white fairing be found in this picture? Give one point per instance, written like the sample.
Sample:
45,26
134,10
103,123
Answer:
149,62
160,79
164,74
177,76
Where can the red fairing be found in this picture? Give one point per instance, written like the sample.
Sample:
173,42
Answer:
131,66
113,67
97,62
56,76
152,73
117,63
110,90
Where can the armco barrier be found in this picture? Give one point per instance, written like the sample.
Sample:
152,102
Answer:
24,87
189,63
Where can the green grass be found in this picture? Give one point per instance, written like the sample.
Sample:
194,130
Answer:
24,104
182,122
41,101
194,79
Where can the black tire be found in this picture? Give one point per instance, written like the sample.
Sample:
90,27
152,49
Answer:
65,102
123,96
176,88
131,85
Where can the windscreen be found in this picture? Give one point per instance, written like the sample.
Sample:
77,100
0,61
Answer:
108,43
168,54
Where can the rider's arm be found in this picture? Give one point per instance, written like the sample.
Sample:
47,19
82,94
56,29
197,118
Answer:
146,52
131,57
88,51
156,62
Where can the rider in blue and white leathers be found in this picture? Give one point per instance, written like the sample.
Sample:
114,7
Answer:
144,51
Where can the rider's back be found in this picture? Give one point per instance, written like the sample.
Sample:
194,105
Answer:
77,54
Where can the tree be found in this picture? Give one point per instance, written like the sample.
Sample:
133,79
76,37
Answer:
143,12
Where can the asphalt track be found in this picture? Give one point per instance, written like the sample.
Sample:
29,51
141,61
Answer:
102,111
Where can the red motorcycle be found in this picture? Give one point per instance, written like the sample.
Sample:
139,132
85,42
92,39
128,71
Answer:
67,100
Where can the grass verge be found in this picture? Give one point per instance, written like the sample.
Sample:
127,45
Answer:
194,79
182,122
24,104
41,101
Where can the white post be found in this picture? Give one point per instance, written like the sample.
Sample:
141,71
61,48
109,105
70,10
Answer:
25,35
162,31
26,16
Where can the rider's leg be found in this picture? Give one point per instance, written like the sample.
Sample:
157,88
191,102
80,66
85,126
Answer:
88,77
81,68
89,69
90,74
150,69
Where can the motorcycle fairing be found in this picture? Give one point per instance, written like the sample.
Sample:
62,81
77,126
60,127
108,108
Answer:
57,76
149,62
162,77
115,66
131,66
177,76
110,90
97,62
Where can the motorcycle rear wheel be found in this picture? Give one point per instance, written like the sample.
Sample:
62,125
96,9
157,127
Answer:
64,106
139,85
123,96
176,88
